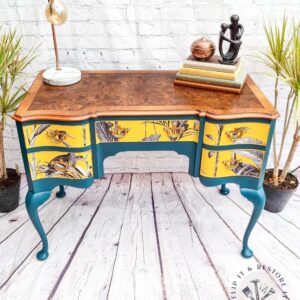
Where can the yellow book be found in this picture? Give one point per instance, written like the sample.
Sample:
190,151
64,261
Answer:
210,74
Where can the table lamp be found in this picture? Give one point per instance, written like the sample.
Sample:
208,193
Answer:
57,14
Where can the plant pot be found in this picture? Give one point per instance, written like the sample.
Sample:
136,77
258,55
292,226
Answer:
276,198
10,191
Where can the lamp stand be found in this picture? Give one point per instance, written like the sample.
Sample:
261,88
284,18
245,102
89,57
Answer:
60,76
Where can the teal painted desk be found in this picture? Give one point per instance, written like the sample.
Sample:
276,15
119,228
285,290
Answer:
66,133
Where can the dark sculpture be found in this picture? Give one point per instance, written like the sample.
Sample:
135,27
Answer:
236,32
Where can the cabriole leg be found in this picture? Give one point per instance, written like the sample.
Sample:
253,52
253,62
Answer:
33,201
61,193
258,198
224,190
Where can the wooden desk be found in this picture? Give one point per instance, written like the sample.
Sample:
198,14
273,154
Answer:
66,133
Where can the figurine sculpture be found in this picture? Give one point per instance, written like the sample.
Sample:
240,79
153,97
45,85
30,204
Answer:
236,32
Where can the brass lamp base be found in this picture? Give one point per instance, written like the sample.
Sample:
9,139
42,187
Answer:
62,77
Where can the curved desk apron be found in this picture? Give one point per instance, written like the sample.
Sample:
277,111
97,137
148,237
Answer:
66,133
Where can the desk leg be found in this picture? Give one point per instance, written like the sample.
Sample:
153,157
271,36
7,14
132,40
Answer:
33,201
258,198
61,193
224,190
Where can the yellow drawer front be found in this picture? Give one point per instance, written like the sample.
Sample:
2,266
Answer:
56,164
147,131
57,135
236,133
238,162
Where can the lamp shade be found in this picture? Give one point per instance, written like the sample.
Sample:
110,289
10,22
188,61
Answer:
56,12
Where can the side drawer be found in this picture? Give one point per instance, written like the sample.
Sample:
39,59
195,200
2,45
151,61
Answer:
58,164
236,162
70,136
236,133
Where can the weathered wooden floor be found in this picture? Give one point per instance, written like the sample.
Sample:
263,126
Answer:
143,236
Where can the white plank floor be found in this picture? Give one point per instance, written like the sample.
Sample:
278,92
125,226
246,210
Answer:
143,236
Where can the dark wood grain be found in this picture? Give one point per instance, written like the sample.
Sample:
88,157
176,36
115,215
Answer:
133,93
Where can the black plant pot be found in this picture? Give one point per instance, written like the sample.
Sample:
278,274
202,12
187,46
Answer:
10,192
277,199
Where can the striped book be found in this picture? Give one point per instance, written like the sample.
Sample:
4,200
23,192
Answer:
237,83
209,86
210,74
212,65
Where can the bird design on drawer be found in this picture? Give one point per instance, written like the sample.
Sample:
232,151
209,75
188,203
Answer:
240,167
59,136
176,130
118,131
66,166
237,133
231,164
110,132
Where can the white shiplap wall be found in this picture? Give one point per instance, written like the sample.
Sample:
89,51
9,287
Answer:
136,34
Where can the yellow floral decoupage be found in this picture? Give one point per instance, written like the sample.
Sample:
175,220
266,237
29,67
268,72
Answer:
147,131
236,133
237,162
57,135
56,164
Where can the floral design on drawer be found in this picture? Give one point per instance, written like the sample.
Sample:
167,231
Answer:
236,133
57,135
147,131
238,162
55,164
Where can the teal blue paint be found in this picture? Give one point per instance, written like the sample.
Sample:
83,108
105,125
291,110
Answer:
141,118
32,202
254,120
198,148
242,181
61,149
66,123
48,184
95,157
235,146
24,155
266,157
105,150
61,193
224,190
258,198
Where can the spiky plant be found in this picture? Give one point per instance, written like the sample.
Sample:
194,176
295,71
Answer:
13,62
290,73
282,57
273,57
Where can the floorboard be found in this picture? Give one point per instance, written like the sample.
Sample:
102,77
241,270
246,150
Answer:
187,271
89,276
63,238
268,250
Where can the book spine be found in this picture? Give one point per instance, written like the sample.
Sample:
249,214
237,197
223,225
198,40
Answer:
206,80
210,67
208,87
207,73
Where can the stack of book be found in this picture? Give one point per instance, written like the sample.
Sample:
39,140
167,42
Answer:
212,75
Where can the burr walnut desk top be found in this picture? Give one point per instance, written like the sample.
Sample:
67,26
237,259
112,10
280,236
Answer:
132,93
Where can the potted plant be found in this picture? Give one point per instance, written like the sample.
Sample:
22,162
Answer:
13,61
283,58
